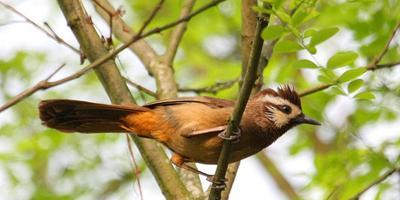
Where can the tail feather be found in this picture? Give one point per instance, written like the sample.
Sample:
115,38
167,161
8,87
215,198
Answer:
80,116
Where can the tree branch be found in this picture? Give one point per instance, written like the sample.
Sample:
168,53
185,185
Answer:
140,87
101,60
234,121
249,22
377,181
124,33
161,68
52,35
373,65
41,85
118,92
177,33
213,89
151,17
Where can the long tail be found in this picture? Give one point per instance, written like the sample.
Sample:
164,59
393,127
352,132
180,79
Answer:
80,116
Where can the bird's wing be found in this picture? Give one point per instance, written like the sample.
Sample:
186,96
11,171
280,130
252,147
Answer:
209,101
217,129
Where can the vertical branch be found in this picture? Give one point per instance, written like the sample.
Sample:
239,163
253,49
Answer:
249,22
115,86
248,31
234,121
166,61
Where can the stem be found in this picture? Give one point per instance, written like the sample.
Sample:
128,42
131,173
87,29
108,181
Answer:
115,86
233,124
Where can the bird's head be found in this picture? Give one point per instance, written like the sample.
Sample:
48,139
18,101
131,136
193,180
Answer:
283,107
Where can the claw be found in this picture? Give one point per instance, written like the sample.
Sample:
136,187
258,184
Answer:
234,137
219,184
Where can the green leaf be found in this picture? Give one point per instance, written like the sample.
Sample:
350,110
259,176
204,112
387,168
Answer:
325,79
328,73
272,32
277,3
283,16
298,17
351,74
309,33
342,59
285,46
338,90
305,64
355,85
322,35
366,95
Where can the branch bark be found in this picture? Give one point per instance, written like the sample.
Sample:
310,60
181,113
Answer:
249,22
158,65
118,92
124,33
109,55
377,181
240,105
373,65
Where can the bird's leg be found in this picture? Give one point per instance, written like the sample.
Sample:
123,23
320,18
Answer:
234,137
179,161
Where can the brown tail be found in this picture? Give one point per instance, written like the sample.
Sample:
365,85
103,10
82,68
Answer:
80,116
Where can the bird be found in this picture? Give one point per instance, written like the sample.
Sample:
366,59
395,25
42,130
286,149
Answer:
191,127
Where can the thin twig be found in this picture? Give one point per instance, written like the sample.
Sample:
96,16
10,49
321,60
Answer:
213,89
373,65
315,89
375,182
45,85
177,33
151,17
50,34
124,33
41,85
240,105
117,90
141,88
135,166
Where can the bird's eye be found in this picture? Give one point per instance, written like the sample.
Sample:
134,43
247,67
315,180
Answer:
286,109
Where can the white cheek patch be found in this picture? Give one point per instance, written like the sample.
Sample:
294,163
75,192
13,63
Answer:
277,116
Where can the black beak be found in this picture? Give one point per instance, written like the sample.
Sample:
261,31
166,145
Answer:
307,120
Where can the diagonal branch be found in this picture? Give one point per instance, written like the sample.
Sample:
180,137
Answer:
124,33
151,17
249,22
213,89
240,105
93,47
177,33
41,85
377,181
51,34
373,65
101,60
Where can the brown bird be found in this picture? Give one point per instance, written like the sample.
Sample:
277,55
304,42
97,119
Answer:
190,126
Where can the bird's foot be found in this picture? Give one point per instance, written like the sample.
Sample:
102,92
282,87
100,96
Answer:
219,184
234,137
